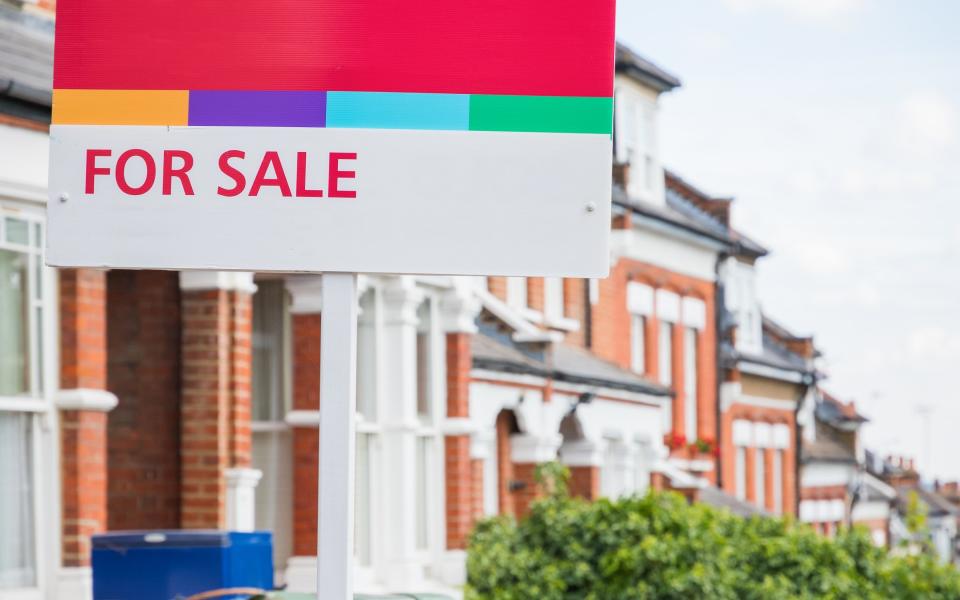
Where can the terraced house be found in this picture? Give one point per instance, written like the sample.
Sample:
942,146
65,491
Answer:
163,400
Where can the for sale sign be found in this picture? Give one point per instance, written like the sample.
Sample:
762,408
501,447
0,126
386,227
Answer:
389,136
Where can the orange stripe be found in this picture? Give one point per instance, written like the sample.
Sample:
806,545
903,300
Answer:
120,107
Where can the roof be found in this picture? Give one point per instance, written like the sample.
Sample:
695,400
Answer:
937,504
578,365
832,410
569,363
772,354
688,221
828,446
632,64
26,63
711,210
720,499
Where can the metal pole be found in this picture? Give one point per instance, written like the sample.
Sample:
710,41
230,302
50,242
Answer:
338,401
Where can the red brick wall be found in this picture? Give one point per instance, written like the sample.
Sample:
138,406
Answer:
574,307
143,331
461,506
214,427
525,475
83,329
84,471
505,468
728,454
306,441
241,374
535,293
611,337
498,287
585,482
83,434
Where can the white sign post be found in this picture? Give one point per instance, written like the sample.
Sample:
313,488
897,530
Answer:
338,405
335,137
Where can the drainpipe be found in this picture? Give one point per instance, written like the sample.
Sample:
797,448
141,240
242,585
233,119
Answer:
809,381
719,311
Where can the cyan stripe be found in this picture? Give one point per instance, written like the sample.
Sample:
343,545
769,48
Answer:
389,110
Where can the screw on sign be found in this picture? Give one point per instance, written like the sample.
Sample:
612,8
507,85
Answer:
358,120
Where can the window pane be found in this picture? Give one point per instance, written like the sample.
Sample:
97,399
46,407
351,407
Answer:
17,542
517,292
367,357
760,479
362,525
778,482
424,384
741,472
37,235
423,509
638,354
690,383
14,343
666,353
269,305
18,231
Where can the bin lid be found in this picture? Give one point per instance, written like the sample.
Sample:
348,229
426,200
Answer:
193,538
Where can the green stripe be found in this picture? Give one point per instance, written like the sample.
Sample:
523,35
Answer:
553,114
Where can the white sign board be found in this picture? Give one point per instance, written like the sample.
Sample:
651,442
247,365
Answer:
335,135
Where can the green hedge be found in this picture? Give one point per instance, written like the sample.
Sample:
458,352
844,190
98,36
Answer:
658,546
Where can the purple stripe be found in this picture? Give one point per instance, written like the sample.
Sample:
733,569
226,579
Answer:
266,109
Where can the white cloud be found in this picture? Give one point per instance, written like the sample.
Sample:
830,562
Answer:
928,121
813,10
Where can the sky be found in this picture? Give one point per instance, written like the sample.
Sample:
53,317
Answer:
836,126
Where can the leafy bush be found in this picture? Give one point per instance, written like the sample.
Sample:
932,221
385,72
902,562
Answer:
658,546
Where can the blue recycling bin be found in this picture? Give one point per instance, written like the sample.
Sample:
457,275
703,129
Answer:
171,565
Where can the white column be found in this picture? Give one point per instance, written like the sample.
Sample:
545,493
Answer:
401,299
241,498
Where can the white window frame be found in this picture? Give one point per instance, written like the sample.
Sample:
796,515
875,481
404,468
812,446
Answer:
38,403
638,343
665,352
430,434
740,472
517,293
370,424
553,300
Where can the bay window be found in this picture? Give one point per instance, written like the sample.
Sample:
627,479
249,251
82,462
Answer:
23,311
665,353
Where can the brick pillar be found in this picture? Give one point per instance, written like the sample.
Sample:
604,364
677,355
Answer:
751,461
790,483
679,418
83,402
505,474
528,452
535,293
769,455
574,307
652,346
585,482
459,470
498,287
307,297
459,309
216,482
583,458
